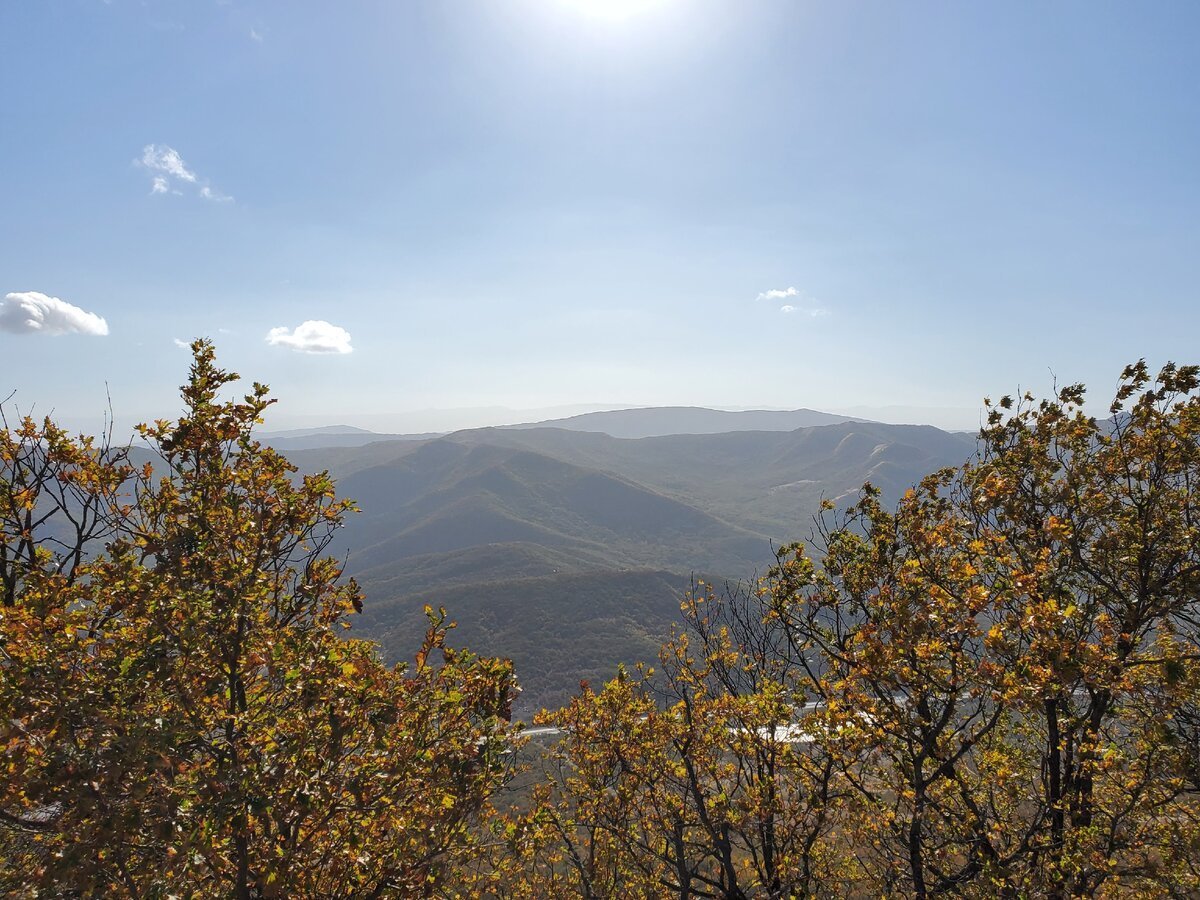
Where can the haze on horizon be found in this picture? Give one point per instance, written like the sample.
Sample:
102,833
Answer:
546,206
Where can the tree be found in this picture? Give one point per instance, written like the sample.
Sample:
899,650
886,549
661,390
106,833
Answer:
686,783
991,690
181,715
1096,525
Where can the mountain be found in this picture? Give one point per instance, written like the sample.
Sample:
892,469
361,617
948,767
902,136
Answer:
665,420
319,430
569,550
767,482
449,495
623,423
331,436
564,568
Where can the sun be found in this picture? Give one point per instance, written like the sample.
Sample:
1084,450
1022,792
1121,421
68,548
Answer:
612,10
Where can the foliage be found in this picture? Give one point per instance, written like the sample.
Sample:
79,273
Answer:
692,784
991,690
181,716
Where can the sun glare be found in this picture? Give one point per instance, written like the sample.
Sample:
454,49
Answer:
612,10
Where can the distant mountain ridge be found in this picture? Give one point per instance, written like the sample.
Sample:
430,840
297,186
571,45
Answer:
332,436
767,481
317,430
636,422
659,421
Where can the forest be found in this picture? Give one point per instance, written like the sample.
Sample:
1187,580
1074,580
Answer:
990,688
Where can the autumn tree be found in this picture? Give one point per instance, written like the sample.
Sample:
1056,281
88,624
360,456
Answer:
1095,526
689,781
988,690
182,715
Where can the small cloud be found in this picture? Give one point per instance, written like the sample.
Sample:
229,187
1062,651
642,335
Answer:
216,196
167,169
35,313
777,294
804,305
182,345
161,158
313,336
255,36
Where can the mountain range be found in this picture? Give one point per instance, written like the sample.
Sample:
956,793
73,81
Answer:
663,420
626,423
568,549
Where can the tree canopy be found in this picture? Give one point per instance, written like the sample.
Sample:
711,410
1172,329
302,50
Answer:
182,716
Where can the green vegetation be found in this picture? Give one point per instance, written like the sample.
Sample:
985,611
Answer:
556,629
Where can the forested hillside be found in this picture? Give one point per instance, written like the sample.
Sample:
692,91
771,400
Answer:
557,534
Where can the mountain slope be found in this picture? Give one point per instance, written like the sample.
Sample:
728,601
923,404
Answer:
569,550
557,629
766,482
448,496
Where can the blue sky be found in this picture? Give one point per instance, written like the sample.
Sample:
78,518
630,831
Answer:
538,203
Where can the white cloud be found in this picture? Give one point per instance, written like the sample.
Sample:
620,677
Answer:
255,36
182,345
216,196
168,169
161,158
804,305
777,294
313,336
34,313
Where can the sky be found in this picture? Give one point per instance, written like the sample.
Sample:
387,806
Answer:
422,215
